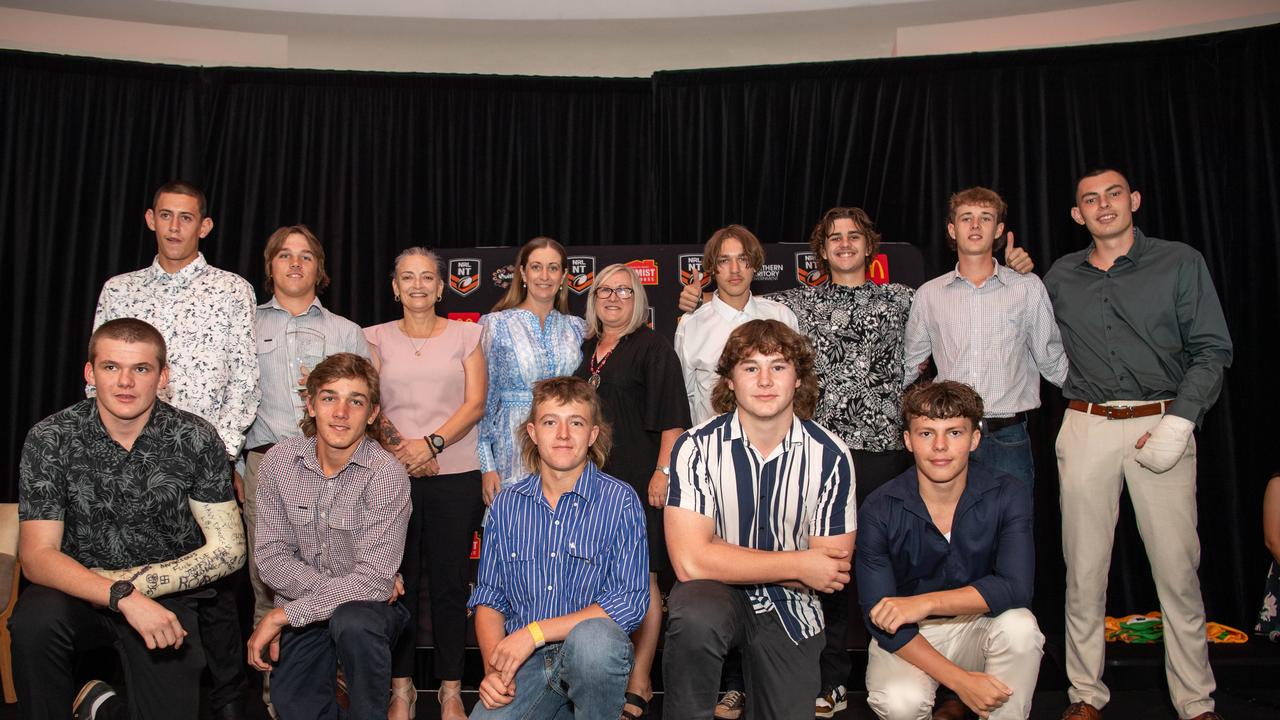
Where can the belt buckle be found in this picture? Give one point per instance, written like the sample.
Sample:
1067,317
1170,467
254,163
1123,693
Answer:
1119,412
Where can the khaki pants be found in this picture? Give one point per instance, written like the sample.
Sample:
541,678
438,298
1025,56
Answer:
1007,646
1095,461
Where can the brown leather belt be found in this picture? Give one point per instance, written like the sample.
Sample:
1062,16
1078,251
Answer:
990,425
1119,412
262,448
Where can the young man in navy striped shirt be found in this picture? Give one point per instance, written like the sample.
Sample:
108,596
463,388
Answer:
564,574
760,518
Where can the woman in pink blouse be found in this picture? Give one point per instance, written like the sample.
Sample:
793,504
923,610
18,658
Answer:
433,381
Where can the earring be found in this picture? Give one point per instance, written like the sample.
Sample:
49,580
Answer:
396,296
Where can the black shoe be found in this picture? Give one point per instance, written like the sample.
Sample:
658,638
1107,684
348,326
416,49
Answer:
93,691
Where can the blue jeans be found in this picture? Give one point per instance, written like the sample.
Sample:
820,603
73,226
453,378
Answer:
583,677
360,634
1008,450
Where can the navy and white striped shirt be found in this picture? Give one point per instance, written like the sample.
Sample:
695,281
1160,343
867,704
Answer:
540,562
804,488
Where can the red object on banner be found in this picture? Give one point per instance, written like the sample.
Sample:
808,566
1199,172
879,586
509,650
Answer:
475,546
878,273
465,316
646,270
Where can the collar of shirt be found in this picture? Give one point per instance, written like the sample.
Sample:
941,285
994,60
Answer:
274,304
183,277
727,312
587,486
310,460
999,272
794,436
1133,258
93,428
979,482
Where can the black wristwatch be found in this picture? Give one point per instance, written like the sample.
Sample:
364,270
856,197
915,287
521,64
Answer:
120,590
437,442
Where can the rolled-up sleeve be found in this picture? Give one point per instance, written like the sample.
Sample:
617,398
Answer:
490,588
624,595
1011,581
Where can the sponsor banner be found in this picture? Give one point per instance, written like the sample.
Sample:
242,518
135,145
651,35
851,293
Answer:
502,276
581,273
878,272
689,264
464,316
646,270
807,270
769,272
475,545
464,275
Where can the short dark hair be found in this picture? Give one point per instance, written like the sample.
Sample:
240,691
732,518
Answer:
941,401
565,390
751,247
183,187
818,236
130,330
1095,172
342,366
767,336
276,241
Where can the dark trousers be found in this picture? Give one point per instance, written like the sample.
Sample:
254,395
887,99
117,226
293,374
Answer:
871,470
360,635
50,629
708,619
446,512
223,644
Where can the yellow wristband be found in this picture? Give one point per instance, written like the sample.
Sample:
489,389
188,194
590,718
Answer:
538,638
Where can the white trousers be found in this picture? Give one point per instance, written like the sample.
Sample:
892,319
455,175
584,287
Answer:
1095,461
1008,646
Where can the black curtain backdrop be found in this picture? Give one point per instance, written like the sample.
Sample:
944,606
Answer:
375,162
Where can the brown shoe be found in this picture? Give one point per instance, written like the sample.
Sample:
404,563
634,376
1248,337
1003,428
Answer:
949,709
1211,715
1081,711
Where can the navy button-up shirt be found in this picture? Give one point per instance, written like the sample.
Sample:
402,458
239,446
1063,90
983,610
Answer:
540,562
901,553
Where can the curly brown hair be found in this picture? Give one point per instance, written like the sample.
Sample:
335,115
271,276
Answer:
941,401
767,337
342,366
565,390
980,196
818,237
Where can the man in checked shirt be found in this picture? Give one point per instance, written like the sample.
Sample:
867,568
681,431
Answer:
333,508
564,574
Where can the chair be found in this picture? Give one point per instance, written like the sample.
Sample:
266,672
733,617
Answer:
10,569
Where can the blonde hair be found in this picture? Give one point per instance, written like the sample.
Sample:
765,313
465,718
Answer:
517,292
565,390
639,309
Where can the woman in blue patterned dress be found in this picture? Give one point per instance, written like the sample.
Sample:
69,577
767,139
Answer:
528,336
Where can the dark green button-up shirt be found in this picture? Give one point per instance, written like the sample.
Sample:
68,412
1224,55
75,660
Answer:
1150,328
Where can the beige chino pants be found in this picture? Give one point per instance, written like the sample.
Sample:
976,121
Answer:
1095,461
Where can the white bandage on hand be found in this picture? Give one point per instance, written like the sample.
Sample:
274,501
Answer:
1168,441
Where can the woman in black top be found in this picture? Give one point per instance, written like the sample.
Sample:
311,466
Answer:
637,375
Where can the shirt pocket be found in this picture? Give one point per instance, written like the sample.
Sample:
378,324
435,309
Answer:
521,579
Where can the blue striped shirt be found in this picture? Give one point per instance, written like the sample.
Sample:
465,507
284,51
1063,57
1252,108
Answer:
804,488
540,562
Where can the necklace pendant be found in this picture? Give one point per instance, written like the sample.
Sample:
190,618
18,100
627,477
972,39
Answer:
417,353
594,380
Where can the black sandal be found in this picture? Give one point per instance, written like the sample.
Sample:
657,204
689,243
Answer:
637,701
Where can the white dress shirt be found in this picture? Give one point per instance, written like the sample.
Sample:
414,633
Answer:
700,339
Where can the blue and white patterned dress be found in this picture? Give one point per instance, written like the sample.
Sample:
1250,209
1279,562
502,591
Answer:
520,351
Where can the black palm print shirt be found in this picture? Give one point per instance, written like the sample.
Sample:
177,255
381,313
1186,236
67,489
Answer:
121,508
857,336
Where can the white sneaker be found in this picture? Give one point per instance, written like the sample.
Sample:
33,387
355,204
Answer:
731,705
831,702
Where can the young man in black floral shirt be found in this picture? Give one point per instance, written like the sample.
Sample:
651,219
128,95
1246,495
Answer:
126,516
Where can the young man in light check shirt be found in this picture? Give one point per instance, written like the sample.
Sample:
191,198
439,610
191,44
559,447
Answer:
989,327
206,317
564,573
333,508
736,255
760,517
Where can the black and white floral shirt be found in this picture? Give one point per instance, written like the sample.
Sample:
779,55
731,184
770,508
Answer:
857,336
206,317
122,508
